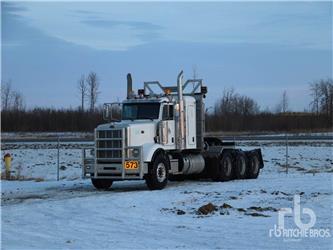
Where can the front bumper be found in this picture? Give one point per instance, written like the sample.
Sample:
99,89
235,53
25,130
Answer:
115,171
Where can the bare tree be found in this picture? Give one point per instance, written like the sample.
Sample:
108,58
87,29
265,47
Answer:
6,95
315,93
284,102
11,99
248,106
82,87
18,101
322,93
326,96
93,85
282,106
233,103
224,105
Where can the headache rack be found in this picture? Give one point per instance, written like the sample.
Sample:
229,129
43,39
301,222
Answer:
197,88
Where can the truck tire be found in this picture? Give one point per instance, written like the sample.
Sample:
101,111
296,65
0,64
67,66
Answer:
101,183
253,166
240,165
157,177
224,171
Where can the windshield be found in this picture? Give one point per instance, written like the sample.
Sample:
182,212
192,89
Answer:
135,111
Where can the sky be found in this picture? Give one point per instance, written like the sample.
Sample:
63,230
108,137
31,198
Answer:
258,48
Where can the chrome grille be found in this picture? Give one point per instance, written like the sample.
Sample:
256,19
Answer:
108,134
109,146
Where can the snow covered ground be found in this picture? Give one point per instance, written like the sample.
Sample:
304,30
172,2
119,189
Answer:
71,214
39,160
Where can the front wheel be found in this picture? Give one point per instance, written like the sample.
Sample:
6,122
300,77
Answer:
157,177
101,184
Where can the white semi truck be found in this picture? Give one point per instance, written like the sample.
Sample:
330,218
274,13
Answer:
161,137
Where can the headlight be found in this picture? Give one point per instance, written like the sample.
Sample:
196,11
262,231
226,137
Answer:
135,152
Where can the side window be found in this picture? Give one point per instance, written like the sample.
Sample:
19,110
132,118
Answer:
170,112
167,112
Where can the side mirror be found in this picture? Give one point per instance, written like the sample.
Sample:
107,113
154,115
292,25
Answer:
106,111
112,111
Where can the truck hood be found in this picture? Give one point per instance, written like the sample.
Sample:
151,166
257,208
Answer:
138,132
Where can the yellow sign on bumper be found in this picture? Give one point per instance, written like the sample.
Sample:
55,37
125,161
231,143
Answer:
131,164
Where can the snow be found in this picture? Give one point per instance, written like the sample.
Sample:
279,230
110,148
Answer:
39,160
71,214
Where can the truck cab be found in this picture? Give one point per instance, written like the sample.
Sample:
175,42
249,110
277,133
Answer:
160,135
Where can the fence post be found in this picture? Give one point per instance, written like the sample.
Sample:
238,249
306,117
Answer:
287,156
58,156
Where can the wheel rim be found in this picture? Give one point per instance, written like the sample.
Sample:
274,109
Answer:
161,172
227,166
242,166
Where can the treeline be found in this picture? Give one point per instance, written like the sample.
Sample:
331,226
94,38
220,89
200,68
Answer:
232,112
293,122
50,120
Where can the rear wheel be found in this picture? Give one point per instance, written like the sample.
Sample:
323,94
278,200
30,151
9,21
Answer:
101,183
253,166
240,165
224,166
157,177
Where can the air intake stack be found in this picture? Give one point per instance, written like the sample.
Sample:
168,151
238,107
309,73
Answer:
129,86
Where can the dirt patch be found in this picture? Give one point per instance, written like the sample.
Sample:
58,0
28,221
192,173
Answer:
263,209
173,210
257,215
226,205
280,192
180,212
207,209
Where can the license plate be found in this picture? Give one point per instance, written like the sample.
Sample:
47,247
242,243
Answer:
131,164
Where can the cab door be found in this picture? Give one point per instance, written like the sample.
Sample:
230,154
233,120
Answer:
168,125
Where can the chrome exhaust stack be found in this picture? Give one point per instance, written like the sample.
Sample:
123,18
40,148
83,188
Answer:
181,118
129,86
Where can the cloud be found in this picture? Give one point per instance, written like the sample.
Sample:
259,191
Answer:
11,7
121,26
85,12
144,31
100,23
